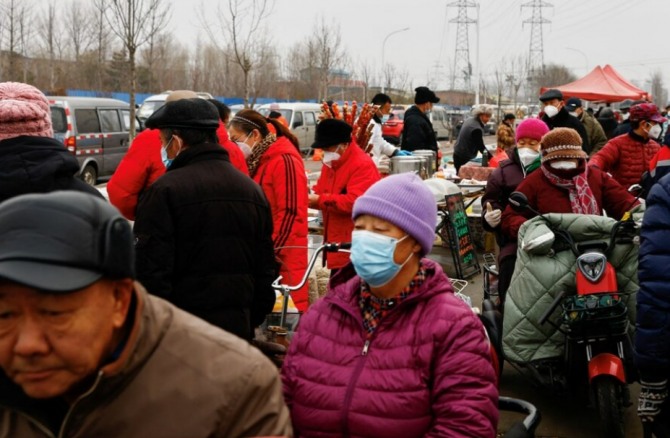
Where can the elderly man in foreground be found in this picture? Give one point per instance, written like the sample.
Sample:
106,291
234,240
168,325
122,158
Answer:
86,352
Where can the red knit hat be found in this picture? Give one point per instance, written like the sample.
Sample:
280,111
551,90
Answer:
23,111
531,128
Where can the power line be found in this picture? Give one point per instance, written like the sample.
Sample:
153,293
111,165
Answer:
462,66
536,52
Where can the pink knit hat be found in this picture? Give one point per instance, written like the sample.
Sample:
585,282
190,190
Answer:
23,111
531,128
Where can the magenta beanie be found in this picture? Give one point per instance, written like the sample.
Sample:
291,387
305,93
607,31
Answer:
23,111
531,128
405,201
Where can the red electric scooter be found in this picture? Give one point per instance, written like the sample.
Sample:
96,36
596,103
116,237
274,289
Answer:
594,321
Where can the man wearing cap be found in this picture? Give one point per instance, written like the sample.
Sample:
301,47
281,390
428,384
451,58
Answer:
203,231
556,116
346,174
142,164
31,160
594,131
417,131
471,137
624,113
628,156
85,351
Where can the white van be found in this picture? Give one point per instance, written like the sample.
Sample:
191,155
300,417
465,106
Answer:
301,117
152,103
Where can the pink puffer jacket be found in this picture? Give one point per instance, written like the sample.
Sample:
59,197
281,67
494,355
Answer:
426,371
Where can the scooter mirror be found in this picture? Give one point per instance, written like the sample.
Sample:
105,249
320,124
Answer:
518,201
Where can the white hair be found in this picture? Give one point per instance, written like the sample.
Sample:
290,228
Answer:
482,109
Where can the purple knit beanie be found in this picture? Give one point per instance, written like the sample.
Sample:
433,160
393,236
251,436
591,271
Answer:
531,128
23,111
405,201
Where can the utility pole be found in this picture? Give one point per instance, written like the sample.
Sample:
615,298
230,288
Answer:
536,50
462,66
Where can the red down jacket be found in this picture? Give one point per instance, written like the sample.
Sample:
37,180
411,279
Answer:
626,157
338,188
427,371
142,166
281,175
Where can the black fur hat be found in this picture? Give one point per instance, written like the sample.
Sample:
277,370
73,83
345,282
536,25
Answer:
185,114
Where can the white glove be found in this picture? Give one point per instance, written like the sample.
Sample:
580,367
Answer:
492,216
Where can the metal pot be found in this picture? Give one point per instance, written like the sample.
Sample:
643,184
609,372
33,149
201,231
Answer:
432,160
416,164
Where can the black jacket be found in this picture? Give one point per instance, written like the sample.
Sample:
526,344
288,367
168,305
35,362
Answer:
203,238
417,131
623,128
38,165
564,120
470,141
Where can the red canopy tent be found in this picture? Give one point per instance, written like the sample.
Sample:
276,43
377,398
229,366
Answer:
603,85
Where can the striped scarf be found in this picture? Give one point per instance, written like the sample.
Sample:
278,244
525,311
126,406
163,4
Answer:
582,200
257,152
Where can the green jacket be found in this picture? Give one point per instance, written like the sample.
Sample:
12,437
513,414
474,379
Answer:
538,278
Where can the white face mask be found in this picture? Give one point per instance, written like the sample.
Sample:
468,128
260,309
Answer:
574,114
246,150
329,157
527,155
550,111
563,165
654,132
624,116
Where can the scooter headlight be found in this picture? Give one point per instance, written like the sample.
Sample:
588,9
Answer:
592,265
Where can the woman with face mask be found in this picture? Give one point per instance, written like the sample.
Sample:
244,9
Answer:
629,155
524,159
564,184
390,351
346,174
275,163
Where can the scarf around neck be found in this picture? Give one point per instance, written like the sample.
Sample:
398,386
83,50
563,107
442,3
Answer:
257,152
582,200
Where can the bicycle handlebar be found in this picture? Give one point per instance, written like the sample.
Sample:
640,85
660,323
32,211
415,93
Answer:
326,247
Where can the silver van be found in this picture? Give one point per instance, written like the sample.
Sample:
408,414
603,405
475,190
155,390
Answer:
95,130
152,103
441,122
302,119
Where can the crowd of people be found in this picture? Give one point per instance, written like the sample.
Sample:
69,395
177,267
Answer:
564,162
114,328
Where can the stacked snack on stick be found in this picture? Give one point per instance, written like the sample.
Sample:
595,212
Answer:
362,130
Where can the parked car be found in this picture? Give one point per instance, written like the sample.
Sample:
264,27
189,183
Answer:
152,103
302,119
392,129
95,130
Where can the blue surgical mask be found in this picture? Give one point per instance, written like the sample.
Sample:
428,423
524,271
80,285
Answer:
385,118
164,156
372,257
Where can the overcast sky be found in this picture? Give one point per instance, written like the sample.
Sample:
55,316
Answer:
631,35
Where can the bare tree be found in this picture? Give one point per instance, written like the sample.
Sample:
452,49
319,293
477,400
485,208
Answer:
326,43
78,27
51,40
658,93
102,37
133,22
366,73
16,15
243,24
